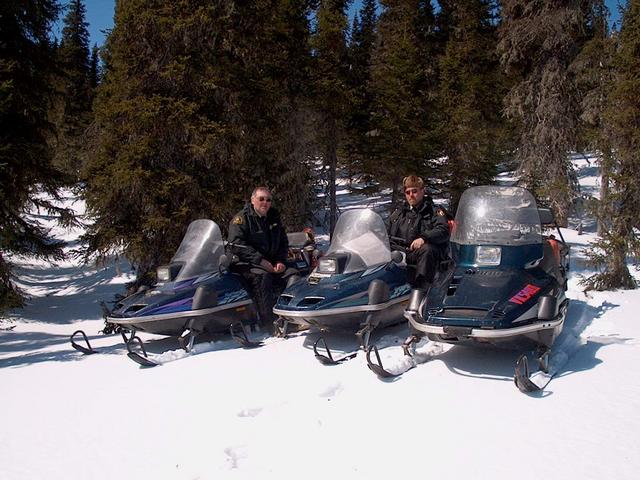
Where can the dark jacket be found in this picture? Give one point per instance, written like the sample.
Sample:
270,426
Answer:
256,237
424,221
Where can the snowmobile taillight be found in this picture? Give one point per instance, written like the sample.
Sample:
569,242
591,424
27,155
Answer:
488,256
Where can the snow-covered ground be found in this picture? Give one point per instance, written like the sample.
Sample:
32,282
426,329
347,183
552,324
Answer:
275,412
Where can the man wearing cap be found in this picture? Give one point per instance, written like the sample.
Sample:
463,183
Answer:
257,237
422,231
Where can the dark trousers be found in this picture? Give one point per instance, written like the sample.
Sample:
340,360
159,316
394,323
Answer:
423,264
264,288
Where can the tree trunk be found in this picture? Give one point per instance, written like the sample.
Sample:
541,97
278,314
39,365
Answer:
332,160
604,193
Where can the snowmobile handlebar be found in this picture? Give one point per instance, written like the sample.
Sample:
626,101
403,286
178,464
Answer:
399,243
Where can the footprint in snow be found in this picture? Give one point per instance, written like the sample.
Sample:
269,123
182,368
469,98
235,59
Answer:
235,454
331,390
250,412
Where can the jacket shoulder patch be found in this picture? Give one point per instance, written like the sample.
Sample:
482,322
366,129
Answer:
238,220
440,212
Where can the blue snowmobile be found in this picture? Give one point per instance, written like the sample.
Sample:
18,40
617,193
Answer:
358,285
506,286
196,293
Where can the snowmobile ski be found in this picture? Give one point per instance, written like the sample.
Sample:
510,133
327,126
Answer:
377,368
328,358
242,338
141,360
137,352
408,347
527,383
88,350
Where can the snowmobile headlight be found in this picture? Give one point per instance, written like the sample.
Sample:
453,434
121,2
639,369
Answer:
488,255
163,274
327,265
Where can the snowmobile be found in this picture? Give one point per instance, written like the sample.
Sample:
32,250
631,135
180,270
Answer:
506,286
196,293
357,286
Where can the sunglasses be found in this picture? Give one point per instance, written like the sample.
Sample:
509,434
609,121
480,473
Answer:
264,199
410,191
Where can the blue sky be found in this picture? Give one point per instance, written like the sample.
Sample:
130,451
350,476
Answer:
100,17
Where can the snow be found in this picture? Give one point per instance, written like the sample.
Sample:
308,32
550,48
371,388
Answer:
275,412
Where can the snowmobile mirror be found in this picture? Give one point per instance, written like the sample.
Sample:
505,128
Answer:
546,216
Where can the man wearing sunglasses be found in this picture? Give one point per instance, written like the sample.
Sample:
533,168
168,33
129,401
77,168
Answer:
257,237
422,231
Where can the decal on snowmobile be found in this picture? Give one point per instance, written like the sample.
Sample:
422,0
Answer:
232,297
525,294
401,290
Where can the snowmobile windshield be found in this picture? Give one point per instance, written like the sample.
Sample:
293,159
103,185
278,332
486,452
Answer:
362,234
493,215
200,250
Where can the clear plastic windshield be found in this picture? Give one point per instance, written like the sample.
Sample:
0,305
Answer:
493,215
363,235
200,249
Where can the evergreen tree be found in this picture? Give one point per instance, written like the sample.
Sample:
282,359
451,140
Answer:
361,45
471,92
161,133
402,120
195,109
539,40
274,36
94,70
28,182
76,92
331,95
593,68
620,210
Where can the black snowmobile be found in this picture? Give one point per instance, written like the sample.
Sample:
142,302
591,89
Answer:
506,287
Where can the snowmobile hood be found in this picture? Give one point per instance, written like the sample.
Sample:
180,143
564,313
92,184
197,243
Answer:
487,298
341,290
177,297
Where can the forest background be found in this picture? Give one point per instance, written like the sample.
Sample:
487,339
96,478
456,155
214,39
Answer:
190,104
